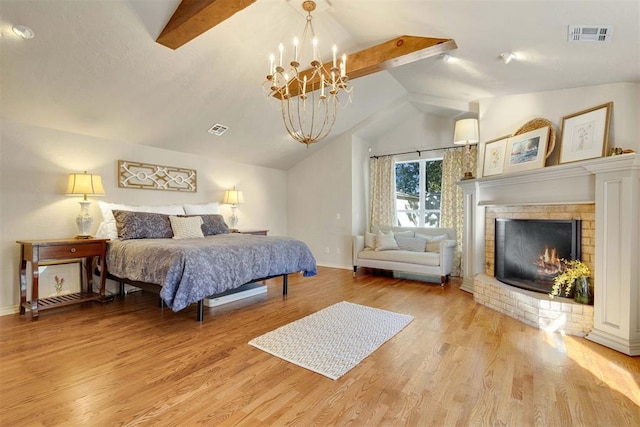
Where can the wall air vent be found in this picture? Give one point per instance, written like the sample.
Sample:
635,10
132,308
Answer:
217,129
590,33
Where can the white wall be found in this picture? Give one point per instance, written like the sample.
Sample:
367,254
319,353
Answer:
320,202
34,167
414,131
504,115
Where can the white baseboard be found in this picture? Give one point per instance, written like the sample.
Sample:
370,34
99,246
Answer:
5,311
342,267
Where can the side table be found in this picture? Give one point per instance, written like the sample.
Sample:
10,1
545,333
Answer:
43,251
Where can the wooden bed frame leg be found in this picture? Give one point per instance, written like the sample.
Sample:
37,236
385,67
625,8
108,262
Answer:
200,314
285,282
121,289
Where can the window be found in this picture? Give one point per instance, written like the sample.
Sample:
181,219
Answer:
418,193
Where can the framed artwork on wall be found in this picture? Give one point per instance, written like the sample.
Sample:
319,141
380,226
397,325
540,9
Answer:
494,152
585,134
526,151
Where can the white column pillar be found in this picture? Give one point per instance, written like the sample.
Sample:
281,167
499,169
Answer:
617,267
473,236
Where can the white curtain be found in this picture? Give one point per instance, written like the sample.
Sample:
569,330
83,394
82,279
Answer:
452,208
382,177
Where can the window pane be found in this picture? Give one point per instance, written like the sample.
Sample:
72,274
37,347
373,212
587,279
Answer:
407,218
432,219
433,169
432,201
408,178
416,206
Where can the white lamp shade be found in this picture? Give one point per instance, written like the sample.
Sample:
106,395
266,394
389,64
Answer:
466,132
233,197
85,184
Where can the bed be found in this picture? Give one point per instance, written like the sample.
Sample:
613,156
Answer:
186,270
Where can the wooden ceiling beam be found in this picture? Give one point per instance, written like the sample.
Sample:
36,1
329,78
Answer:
194,17
390,54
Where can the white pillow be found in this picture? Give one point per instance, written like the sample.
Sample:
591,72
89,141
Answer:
108,230
413,244
433,245
385,241
188,227
202,209
369,240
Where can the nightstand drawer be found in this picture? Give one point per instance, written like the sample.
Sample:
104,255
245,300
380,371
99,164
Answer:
69,251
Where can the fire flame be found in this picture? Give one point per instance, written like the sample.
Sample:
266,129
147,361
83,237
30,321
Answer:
548,262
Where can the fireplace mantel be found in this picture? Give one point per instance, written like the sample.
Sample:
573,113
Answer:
613,184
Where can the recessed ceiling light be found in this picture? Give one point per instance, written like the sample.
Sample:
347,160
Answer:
23,31
508,57
446,58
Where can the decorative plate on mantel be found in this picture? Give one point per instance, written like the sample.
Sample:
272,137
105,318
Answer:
538,123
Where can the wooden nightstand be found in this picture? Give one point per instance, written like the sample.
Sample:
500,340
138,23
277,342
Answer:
51,251
255,232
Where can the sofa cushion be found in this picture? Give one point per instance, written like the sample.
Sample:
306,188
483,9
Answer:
414,244
408,257
369,240
385,241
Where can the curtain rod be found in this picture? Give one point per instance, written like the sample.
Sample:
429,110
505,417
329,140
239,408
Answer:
417,151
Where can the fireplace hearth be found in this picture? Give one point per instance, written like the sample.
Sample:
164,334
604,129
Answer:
528,251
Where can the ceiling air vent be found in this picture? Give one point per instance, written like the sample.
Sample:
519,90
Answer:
590,33
217,129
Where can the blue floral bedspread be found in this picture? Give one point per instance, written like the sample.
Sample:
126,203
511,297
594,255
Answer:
192,269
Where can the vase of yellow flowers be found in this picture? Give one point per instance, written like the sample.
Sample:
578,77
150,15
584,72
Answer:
574,278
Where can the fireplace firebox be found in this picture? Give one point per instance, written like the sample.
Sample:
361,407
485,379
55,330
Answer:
528,251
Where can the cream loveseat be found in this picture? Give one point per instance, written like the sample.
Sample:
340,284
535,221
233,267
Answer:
427,251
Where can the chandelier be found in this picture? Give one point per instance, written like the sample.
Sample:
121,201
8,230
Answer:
308,98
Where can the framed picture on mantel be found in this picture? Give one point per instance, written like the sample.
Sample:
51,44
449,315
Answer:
494,151
585,134
526,151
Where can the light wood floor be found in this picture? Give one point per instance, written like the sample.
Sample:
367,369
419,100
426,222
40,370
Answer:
458,363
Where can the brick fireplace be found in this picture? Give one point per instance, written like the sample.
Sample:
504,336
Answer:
534,308
605,194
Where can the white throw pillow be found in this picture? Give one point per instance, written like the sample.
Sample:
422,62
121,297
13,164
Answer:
202,209
189,227
433,245
369,240
385,241
108,230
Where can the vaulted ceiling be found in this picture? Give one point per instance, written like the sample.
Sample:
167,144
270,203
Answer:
95,68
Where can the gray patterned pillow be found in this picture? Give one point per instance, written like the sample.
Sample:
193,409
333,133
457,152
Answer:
142,225
413,244
212,224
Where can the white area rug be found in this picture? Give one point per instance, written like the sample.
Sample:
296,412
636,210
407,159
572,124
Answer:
333,340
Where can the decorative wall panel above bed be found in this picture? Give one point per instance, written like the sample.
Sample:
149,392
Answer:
156,177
